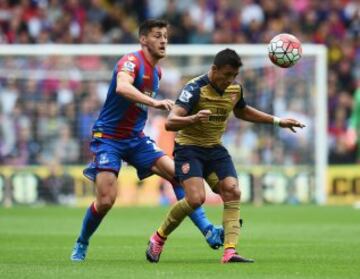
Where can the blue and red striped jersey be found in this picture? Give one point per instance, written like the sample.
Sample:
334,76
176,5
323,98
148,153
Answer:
121,118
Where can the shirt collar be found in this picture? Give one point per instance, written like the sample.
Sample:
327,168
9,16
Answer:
220,92
145,59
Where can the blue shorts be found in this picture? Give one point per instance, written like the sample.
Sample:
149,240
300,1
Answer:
141,152
196,161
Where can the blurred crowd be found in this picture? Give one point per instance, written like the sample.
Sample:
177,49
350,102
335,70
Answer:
52,119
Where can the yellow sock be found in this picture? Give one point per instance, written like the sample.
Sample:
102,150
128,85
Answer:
176,215
231,223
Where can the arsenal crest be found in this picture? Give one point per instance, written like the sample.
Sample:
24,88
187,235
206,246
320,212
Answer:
185,168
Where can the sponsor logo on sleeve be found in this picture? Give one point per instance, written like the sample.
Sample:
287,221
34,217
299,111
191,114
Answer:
185,96
128,66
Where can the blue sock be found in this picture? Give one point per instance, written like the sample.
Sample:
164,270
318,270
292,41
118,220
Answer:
92,220
198,216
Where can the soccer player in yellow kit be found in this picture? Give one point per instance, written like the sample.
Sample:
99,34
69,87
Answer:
200,117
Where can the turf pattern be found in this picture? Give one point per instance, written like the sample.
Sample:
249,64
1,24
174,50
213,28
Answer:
286,242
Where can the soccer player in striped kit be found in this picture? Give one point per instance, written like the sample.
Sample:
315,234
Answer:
118,135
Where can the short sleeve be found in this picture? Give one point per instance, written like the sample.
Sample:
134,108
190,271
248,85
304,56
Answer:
128,64
241,103
189,97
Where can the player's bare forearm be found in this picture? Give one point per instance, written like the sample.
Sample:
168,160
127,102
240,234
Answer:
125,88
178,118
256,116
175,123
251,114
128,91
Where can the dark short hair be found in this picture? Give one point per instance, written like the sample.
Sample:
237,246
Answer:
227,57
149,24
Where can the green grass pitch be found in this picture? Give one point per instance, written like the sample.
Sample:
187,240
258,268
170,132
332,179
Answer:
286,242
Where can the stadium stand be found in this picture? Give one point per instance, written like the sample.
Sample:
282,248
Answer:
37,115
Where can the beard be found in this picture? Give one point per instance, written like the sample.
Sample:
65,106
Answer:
155,53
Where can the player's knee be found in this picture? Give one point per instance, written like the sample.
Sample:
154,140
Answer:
231,193
106,199
196,200
105,203
236,193
106,193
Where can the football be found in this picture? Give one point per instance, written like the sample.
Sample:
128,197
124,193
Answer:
285,50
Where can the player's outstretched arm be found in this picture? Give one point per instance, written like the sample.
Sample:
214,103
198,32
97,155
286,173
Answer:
251,114
178,118
289,123
125,88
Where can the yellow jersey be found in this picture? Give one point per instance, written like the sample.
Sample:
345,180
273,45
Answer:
199,94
